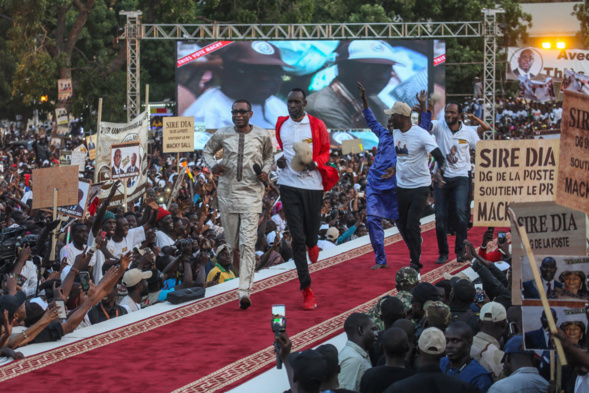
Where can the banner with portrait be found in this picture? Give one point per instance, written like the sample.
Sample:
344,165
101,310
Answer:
116,133
571,320
539,64
538,91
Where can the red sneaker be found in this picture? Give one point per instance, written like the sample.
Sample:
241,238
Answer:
313,253
309,302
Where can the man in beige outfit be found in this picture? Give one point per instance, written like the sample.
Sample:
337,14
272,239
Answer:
240,190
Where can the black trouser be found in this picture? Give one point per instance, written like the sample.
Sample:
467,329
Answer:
302,209
411,202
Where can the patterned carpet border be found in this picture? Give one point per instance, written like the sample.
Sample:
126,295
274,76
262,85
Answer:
44,359
308,338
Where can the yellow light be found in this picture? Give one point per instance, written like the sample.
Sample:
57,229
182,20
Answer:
560,45
546,45
44,98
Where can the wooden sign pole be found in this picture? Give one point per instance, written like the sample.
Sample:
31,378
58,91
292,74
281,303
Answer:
178,163
99,120
523,235
147,99
125,196
54,237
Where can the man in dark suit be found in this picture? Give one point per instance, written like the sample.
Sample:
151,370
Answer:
133,167
540,339
116,169
524,64
547,271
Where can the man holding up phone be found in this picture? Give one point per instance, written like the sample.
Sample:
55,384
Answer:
240,190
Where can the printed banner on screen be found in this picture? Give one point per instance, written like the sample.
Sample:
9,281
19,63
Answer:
539,64
209,81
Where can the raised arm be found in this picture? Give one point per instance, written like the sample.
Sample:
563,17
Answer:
371,121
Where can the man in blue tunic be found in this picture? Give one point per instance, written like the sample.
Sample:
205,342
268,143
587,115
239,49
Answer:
381,198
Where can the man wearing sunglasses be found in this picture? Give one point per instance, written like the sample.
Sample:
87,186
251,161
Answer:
240,190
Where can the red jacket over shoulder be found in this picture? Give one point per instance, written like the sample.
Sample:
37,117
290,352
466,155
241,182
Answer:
321,149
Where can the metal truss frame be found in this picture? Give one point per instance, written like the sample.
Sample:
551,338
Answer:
136,31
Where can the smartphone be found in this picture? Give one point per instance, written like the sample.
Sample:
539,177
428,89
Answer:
501,237
480,295
20,280
278,317
85,281
512,329
217,276
61,314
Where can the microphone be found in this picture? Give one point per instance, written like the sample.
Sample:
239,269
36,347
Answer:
258,170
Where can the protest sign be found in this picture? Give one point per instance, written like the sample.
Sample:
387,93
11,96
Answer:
113,133
518,171
178,135
91,145
65,157
125,160
64,89
567,278
353,146
573,170
79,160
572,320
552,230
45,180
78,210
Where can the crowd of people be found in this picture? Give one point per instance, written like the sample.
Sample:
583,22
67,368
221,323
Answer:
243,208
517,118
443,337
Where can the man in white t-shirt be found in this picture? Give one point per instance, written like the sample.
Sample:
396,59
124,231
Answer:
413,145
302,185
165,235
455,140
79,233
136,283
124,239
279,218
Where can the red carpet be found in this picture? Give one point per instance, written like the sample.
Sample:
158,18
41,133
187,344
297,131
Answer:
211,345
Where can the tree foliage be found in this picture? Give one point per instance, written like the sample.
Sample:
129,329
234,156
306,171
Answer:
43,40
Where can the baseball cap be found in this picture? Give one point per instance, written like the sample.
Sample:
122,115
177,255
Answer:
11,303
253,52
303,156
448,276
399,108
332,233
270,238
437,313
221,248
515,345
432,341
134,276
367,51
309,366
493,312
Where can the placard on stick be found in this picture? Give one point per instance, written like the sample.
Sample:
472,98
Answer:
125,160
552,230
353,146
573,170
78,209
45,180
514,171
178,135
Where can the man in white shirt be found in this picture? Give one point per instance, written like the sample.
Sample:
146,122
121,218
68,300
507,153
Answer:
136,283
124,239
455,140
301,185
413,145
165,235
79,233
279,218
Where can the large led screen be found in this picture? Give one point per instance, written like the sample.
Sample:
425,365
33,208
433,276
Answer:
210,76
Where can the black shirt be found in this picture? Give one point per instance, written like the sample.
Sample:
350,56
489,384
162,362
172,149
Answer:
431,379
377,379
97,315
52,332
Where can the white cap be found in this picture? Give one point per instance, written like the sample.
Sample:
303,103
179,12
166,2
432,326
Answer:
134,276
